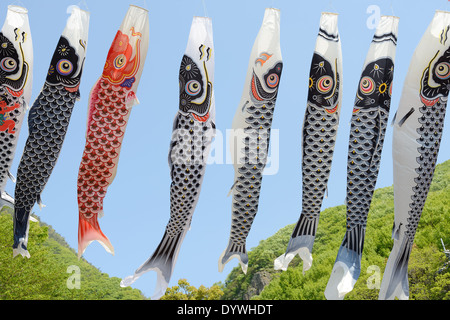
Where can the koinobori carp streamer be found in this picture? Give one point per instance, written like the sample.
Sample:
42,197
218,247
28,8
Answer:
367,132
193,131
251,134
319,135
110,102
48,121
16,77
418,128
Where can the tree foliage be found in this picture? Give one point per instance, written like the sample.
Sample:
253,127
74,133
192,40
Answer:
184,291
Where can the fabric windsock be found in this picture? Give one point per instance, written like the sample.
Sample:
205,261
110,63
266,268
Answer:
16,78
367,132
418,128
48,121
251,126
193,131
109,107
319,132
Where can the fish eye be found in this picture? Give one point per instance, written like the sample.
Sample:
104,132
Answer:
192,87
8,64
324,84
120,61
367,85
272,80
64,67
442,70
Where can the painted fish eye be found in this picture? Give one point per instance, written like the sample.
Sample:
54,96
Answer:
8,64
442,70
272,80
64,67
192,87
324,84
120,61
367,85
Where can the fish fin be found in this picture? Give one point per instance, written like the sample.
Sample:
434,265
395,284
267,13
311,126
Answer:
26,106
393,119
6,200
33,219
347,267
10,175
21,249
90,231
301,243
396,231
131,100
234,251
245,105
405,117
162,262
231,189
395,278
39,202
21,228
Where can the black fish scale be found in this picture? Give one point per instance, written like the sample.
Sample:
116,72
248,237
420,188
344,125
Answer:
48,122
432,123
190,140
319,137
367,134
248,184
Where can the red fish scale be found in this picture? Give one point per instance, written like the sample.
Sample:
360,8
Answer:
107,121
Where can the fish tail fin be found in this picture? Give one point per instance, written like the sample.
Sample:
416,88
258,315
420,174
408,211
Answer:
162,261
347,266
21,228
395,278
234,250
301,243
89,231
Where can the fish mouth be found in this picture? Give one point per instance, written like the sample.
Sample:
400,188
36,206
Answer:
332,110
72,89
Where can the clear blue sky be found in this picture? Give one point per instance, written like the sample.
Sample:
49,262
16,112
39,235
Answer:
137,203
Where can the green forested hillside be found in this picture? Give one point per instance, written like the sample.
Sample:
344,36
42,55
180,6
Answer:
429,274
54,271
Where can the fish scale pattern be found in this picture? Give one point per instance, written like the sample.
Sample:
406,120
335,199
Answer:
319,137
366,140
248,184
106,127
190,139
432,123
366,135
48,122
8,138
